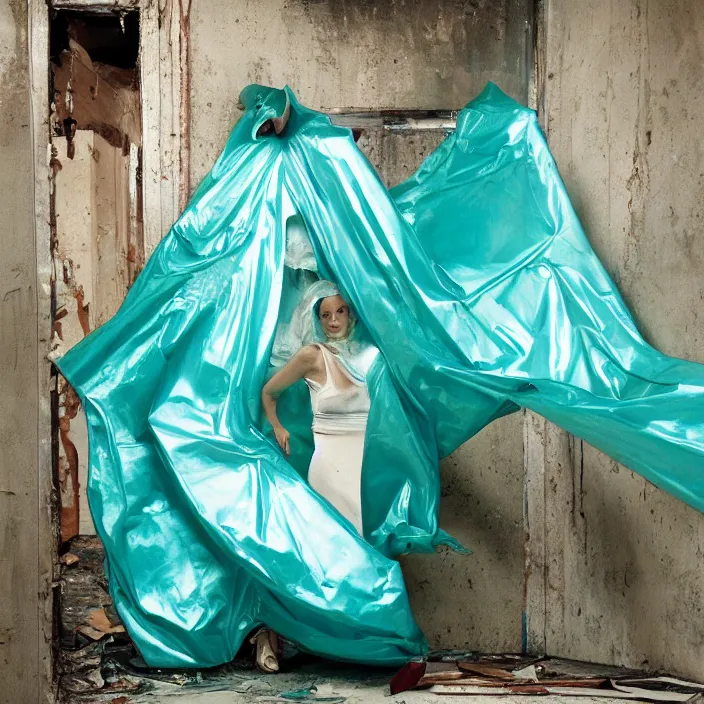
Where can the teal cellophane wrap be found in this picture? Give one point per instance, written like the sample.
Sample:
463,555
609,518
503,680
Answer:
477,284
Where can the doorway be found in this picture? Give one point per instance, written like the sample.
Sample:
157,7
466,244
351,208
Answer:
107,127
98,235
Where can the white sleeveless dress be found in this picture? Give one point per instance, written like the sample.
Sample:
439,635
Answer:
340,411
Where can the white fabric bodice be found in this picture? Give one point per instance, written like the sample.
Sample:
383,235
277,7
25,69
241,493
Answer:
341,404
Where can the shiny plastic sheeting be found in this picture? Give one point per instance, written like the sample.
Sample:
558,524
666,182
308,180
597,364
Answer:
477,284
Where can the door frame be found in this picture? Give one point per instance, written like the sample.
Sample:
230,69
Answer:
165,101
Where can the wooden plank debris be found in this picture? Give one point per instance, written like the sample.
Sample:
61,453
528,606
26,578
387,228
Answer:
561,667
565,691
86,609
508,675
99,625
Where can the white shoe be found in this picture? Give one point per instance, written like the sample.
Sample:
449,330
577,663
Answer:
267,643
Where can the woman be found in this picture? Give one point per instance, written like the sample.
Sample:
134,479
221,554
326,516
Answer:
330,366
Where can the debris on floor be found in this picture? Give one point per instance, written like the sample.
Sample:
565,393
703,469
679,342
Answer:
492,675
69,559
302,680
99,625
88,671
110,672
87,613
313,694
98,664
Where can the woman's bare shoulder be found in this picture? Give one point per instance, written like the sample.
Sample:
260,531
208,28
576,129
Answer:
310,354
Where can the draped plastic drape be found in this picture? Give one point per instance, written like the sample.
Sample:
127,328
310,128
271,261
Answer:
476,282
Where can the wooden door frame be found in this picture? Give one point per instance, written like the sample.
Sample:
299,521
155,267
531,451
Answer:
165,99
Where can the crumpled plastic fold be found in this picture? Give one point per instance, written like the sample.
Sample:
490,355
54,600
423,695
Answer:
477,284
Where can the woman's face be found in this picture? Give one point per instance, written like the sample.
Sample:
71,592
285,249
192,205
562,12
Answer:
334,317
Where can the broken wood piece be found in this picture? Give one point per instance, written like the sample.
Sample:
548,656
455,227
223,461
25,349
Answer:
440,675
99,620
439,678
99,625
486,671
660,689
448,656
92,633
473,689
662,683
448,676
560,668
465,679
619,693
593,683
433,667
69,559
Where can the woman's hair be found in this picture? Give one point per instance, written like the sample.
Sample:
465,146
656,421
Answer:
318,304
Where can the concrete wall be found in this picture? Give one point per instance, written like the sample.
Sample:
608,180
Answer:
25,562
624,97
457,598
374,54
366,54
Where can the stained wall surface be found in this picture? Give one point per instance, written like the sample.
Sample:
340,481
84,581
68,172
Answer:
363,54
375,55
624,98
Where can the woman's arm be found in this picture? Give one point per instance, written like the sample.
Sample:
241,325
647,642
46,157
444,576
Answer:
306,362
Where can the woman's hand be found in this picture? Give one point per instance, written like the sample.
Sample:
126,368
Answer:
306,361
283,437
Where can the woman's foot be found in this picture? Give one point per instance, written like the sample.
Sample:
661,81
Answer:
267,643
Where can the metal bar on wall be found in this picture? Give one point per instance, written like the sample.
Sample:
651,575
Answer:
394,120
95,5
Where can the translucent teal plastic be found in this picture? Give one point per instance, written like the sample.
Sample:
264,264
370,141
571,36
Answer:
475,281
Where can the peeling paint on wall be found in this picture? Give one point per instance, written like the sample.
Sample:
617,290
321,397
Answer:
184,189
98,239
97,254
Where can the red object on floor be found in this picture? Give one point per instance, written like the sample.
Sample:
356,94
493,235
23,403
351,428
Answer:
407,677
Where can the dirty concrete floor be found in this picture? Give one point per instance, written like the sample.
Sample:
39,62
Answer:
309,683
112,673
345,692
367,696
